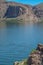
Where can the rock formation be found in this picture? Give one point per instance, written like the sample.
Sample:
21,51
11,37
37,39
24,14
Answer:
35,58
21,11
38,10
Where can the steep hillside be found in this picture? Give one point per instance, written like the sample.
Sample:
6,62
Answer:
21,11
38,10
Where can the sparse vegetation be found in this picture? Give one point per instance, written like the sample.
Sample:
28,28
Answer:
23,62
34,50
13,20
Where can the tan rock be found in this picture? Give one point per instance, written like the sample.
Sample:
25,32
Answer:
36,58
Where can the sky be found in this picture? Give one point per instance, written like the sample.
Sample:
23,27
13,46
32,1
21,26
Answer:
31,2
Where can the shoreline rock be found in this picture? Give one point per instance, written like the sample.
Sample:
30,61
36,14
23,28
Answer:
35,58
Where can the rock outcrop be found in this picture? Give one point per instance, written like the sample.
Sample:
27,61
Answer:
21,11
38,10
36,57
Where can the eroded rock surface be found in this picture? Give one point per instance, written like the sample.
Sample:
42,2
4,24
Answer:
36,57
21,11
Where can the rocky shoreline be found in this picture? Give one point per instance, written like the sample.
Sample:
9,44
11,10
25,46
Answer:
35,58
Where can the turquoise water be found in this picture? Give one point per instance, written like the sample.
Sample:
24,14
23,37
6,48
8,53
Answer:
18,40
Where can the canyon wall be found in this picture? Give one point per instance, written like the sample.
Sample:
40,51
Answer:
21,11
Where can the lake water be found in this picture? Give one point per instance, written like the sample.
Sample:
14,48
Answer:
18,40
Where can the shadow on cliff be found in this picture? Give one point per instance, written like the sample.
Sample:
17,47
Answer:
14,11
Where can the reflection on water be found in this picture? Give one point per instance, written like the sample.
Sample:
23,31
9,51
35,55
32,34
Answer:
2,24
18,40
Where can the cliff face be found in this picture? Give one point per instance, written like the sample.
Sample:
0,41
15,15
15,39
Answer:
21,11
38,10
